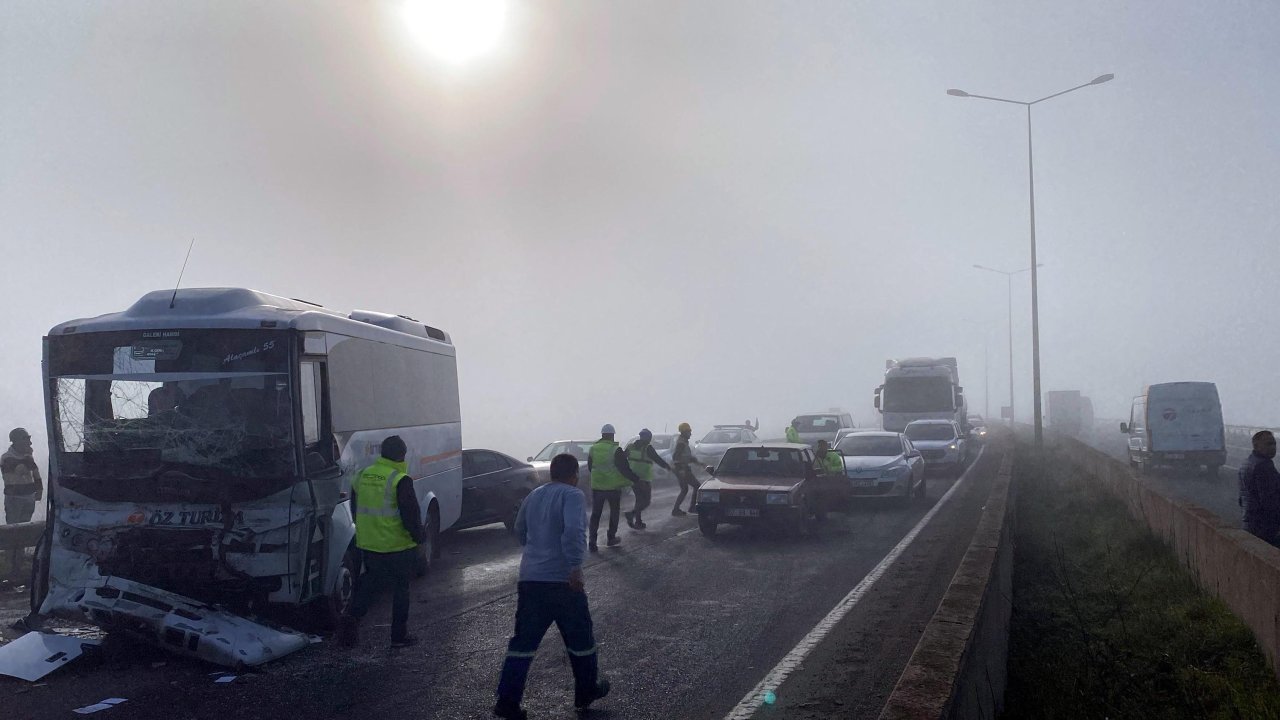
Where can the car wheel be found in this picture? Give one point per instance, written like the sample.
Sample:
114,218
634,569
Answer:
707,526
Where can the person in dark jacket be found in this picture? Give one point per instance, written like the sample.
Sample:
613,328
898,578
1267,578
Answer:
23,486
1260,489
388,532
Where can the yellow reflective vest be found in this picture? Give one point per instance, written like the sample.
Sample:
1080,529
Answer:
378,525
637,458
604,476
793,436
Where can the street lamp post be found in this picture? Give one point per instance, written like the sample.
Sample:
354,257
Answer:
1008,274
1031,185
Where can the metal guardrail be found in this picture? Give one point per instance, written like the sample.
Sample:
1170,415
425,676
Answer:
14,540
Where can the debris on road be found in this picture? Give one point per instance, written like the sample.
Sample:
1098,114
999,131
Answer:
104,705
36,654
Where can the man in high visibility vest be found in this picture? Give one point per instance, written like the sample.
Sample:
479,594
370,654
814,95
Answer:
610,472
793,435
388,532
827,460
642,457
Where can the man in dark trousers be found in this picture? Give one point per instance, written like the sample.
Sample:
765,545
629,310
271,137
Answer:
683,459
610,472
23,486
1260,489
551,527
642,457
388,532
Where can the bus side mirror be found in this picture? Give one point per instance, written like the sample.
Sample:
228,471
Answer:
529,459
1124,428
711,469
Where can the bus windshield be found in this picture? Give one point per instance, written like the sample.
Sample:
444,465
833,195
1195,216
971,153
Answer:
213,403
918,394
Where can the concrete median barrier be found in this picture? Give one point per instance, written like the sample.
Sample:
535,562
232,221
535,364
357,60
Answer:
959,667
1238,568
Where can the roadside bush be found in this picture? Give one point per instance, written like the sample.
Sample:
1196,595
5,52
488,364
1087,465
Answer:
1107,624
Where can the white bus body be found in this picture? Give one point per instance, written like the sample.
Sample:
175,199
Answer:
206,449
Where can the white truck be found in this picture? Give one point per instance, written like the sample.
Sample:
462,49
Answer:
202,448
921,389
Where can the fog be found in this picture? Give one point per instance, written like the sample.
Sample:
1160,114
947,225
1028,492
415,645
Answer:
648,213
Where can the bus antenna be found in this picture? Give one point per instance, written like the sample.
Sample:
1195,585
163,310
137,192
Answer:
181,272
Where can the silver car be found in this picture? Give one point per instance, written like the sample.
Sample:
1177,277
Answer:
542,461
712,446
940,442
882,463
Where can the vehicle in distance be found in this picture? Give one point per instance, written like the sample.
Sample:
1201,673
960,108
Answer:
771,484
1065,412
493,486
813,427
711,448
542,461
921,389
977,427
1177,424
940,442
882,463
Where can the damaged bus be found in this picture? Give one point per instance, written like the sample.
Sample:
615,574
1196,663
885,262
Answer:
202,448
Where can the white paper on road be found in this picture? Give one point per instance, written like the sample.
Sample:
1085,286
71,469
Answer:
36,654
226,679
96,707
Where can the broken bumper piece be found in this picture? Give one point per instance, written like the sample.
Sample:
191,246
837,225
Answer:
180,624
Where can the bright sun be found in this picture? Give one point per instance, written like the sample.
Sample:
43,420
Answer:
456,31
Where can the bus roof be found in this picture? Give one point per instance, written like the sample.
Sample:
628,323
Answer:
250,309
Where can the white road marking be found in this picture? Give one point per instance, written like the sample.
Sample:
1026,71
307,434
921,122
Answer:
749,704
686,532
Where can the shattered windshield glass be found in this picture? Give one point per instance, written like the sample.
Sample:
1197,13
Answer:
133,404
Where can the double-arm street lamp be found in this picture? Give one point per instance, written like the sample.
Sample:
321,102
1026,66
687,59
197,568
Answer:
1031,184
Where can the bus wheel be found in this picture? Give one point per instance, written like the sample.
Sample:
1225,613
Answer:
331,607
430,548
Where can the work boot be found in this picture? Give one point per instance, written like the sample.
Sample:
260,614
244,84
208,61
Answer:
348,631
640,525
614,541
601,689
630,515
677,512
407,641
593,547
510,712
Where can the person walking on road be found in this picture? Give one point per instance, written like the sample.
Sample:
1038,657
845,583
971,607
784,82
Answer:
388,532
642,457
793,433
551,589
610,472
1260,489
683,459
23,486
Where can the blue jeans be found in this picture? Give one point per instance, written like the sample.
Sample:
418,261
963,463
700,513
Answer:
538,605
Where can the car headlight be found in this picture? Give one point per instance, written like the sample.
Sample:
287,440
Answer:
777,498
952,446
897,472
709,496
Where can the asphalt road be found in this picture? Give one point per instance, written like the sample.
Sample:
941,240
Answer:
686,628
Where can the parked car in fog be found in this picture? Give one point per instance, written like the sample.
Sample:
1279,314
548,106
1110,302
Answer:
940,442
773,484
493,486
883,463
712,446
577,448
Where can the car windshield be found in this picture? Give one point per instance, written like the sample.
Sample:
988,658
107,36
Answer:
870,446
131,404
931,431
578,449
917,394
817,423
724,436
663,442
763,462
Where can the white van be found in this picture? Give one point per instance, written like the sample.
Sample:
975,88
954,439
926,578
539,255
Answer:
203,444
1177,424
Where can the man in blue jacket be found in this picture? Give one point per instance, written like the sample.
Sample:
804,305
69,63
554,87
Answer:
1260,488
551,525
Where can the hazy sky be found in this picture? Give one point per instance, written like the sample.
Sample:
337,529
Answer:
649,212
